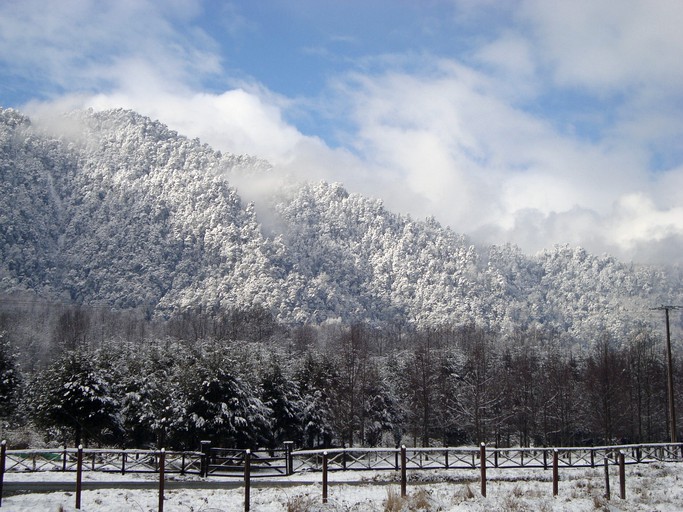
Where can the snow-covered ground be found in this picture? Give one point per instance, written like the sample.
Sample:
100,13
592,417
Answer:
649,487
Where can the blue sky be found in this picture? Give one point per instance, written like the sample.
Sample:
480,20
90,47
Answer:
527,121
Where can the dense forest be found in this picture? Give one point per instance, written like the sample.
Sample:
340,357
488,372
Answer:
86,375
144,302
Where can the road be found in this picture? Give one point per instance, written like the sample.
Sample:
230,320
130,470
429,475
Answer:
12,487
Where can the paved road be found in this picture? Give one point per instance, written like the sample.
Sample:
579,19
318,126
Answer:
10,488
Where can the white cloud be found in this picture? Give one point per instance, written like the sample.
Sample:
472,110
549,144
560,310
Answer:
499,172
86,45
443,144
455,138
512,60
600,43
637,219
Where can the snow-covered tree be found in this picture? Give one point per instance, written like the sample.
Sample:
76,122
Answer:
72,400
381,414
153,409
316,377
221,406
281,395
10,380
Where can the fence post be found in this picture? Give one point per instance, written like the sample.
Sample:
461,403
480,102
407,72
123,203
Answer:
482,464
404,480
622,476
289,462
64,459
325,477
3,458
247,480
607,491
162,470
206,453
545,459
556,473
123,462
79,476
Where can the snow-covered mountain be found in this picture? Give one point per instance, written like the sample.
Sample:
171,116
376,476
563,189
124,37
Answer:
114,208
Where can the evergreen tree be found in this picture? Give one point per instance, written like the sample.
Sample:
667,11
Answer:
221,407
381,413
316,379
281,395
153,407
74,398
10,380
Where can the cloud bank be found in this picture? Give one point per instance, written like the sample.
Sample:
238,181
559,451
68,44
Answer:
562,124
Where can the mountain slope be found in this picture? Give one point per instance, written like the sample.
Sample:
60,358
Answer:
117,209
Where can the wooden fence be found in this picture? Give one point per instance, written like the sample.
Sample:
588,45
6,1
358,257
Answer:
246,464
102,460
340,459
231,463
223,462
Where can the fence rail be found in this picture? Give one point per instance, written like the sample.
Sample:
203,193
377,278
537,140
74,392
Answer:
110,461
221,462
231,462
469,458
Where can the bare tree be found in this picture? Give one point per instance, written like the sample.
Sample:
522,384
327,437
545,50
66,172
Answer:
606,390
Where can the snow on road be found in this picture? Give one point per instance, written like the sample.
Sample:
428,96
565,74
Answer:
649,487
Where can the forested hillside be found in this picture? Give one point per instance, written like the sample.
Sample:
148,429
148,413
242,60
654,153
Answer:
114,209
143,302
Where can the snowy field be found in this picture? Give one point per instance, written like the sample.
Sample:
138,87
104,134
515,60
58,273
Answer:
649,487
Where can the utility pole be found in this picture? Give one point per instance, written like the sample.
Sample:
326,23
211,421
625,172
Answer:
670,374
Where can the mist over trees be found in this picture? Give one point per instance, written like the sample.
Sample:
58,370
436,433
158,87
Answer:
143,302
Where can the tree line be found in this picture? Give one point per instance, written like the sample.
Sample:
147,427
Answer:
239,379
